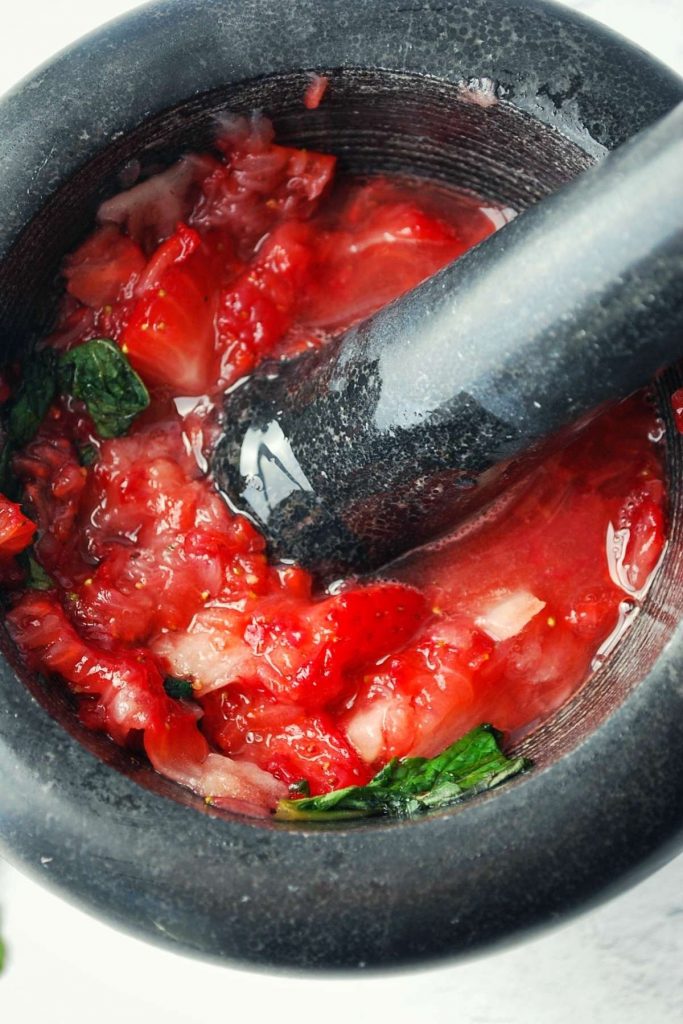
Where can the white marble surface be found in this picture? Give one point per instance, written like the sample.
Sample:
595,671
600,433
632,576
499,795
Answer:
622,962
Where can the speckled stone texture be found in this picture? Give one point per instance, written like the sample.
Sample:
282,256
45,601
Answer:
133,848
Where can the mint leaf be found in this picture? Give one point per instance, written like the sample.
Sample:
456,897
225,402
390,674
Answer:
99,374
180,689
24,413
33,397
408,786
96,372
36,577
87,454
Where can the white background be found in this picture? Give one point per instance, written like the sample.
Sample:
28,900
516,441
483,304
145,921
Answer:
620,963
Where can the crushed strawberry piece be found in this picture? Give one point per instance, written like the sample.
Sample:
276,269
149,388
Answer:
53,482
104,269
315,91
287,740
16,530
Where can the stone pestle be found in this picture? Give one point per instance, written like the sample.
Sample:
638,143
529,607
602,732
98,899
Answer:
416,418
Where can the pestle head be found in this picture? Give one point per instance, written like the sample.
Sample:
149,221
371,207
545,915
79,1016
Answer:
309,423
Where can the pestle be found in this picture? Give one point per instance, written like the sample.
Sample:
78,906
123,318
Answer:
348,456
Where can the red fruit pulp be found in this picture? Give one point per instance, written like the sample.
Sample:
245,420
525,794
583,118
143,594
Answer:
199,274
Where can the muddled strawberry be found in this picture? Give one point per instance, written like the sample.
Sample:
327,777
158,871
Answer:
104,269
259,183
301,651
288,740
315,90
150,211
53,481
121,692
124,684
642,532
170,337
16,530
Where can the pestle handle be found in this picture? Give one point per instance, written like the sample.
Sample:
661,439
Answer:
349,456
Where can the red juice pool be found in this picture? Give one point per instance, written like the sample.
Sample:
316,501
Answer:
158,607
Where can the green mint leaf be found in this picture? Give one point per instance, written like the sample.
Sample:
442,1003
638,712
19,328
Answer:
33,397
180,689
408,786
99,374
36,577
87,454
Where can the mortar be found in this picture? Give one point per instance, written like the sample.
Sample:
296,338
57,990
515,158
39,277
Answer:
508,100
